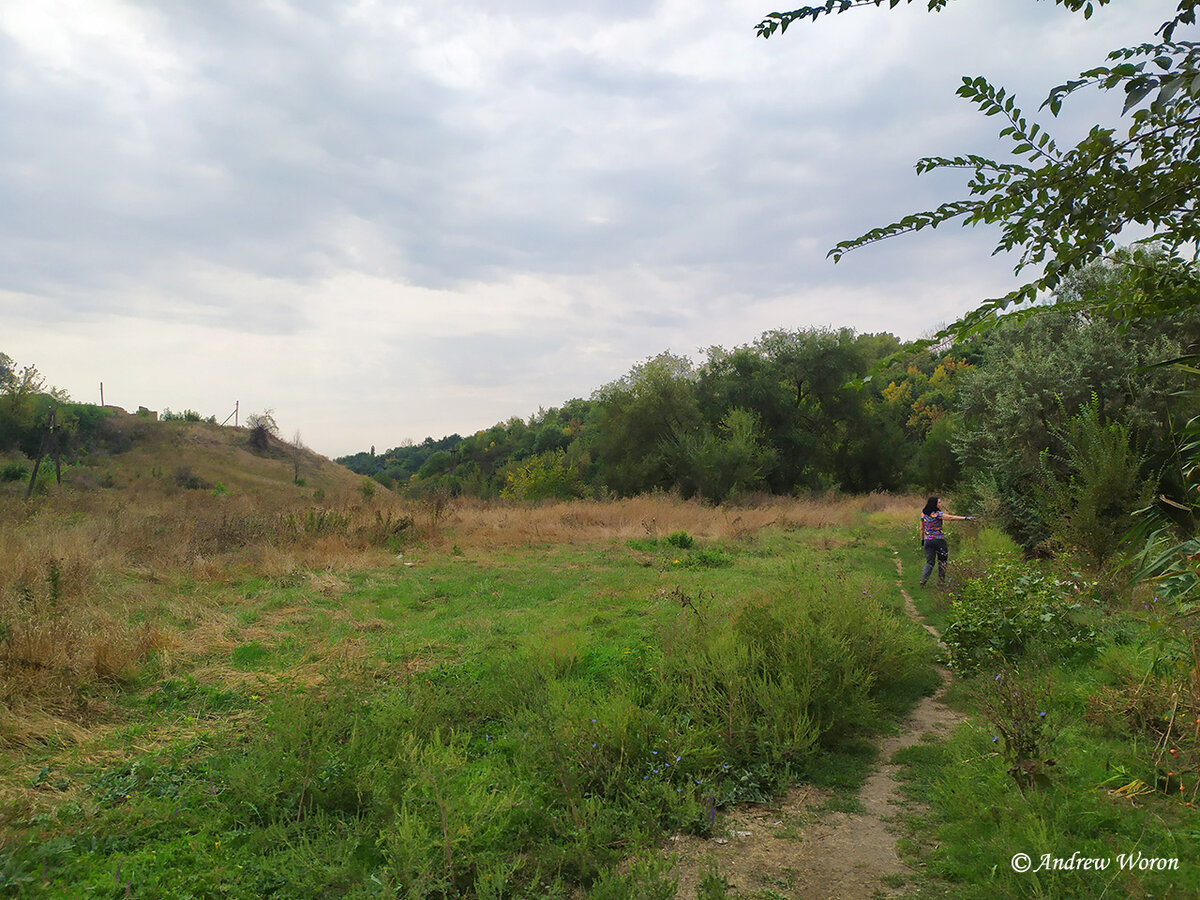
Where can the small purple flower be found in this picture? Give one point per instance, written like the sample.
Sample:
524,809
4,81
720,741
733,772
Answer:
996,738
1042,715
997,678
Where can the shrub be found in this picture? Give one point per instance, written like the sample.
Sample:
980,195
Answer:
680,539
553,475
1090,489
1009,612
188,415
186,478
14,471
1018,707
262,428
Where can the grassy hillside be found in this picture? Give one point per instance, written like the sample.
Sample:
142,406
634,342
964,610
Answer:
134,453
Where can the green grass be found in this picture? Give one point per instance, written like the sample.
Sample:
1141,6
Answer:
513,725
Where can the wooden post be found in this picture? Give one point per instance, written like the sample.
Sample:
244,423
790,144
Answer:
57,451
237,404
102,394
49,441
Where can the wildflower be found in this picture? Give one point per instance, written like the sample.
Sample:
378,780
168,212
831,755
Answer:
678,758
997,678
1042,715
996,738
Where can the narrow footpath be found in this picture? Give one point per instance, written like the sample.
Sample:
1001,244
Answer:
797,849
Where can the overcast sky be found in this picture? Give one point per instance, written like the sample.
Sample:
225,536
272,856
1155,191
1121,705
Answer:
387,220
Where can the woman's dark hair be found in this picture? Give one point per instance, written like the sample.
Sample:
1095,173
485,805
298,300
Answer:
931,506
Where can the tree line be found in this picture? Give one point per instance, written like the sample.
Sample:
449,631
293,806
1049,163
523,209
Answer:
996,415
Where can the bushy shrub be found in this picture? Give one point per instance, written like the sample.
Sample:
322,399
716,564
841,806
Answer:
262,427
1089,490
1010,612
553,475
680,539
14,471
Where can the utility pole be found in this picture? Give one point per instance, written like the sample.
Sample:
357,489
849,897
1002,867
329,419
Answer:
102,393
49,442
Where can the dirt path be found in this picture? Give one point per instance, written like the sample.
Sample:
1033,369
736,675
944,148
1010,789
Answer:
797,849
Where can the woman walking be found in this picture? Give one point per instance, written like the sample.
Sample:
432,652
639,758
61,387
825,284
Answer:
933,539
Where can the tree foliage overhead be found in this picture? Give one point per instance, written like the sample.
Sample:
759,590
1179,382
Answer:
1063,207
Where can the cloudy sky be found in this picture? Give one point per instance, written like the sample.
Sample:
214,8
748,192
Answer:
387,220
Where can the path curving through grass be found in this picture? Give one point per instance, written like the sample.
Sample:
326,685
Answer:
802,847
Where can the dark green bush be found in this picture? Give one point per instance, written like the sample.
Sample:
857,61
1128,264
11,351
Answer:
680,539
14,471
1010,612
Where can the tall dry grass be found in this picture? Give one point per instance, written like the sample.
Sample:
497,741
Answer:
485,524
78,572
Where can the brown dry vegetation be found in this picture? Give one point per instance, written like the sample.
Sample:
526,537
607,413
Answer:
498,524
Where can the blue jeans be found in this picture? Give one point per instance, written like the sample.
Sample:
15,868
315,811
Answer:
936,551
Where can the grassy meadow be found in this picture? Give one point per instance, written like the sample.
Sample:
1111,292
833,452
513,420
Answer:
321,691
258,675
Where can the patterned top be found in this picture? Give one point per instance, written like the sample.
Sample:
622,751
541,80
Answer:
931,527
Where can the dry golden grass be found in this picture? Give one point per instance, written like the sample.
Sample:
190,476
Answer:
483,524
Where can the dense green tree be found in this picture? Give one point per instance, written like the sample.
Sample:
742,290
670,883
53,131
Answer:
638,415
722,462
1036,375
800,386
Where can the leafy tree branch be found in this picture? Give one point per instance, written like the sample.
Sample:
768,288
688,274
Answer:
1066,208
